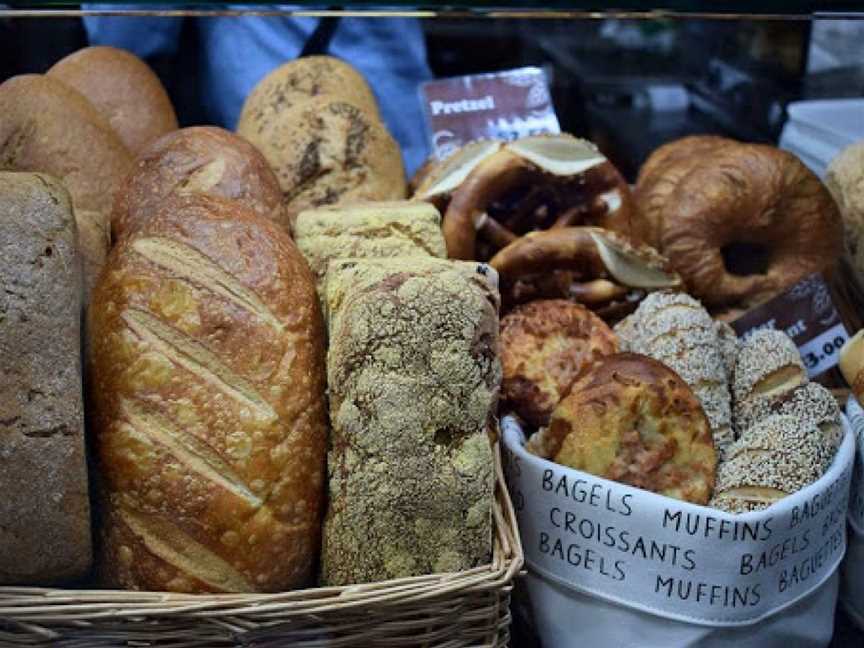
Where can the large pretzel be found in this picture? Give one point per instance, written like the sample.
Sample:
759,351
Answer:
589,265
492,193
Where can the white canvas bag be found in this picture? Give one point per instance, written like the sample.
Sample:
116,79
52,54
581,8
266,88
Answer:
852,591
611,565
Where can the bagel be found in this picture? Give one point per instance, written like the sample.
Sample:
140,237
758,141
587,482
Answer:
491,193
589,265
635,421
545,345
743,224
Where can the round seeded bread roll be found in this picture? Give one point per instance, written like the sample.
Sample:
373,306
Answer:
776,457
545,346
47,126
633,420
768,366
325,152
298,81
123,89
197,160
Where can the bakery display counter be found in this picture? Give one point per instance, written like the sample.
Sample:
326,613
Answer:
431,325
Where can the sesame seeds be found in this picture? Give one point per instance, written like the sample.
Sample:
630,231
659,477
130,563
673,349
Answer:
767,363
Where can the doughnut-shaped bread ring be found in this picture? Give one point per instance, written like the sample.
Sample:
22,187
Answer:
756,195
589,265
491,193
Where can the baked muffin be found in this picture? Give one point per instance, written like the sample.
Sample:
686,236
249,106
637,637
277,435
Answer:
545,346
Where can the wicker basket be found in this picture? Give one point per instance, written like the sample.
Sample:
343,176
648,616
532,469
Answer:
468,608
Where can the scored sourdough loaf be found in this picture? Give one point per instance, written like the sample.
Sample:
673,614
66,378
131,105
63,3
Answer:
413,377
368,230
207,357
44,510
200,159
123,89
47,126
327,151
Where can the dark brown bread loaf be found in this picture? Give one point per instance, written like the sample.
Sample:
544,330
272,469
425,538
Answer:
203,160
44,508
46,126
123,89
207,354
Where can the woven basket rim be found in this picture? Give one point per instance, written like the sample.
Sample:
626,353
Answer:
33,610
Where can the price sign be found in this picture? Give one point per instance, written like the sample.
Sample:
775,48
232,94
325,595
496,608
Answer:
501,105
807,314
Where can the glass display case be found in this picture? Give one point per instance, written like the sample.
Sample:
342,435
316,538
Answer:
278,421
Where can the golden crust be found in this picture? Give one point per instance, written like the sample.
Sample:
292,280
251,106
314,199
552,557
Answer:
633,420
546,345
207,393
123,89
201,159
744,194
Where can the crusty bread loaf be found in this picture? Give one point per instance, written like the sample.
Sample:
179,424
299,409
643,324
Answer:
852,364
123,89
368,230
44,509
413,374
207,359
305,78
47,126
201,159
326,151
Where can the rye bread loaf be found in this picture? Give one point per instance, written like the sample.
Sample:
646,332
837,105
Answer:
305,78
44,510
201,159
207,356
413,376
47,126
327,151
123,89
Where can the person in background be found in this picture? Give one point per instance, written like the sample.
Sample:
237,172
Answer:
237,52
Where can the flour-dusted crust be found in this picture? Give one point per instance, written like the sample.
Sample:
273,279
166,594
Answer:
368,230
413,374
207,364
545,346
633,420
44,509
197,160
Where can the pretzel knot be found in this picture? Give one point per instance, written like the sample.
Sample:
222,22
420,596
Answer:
589,265
491,193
